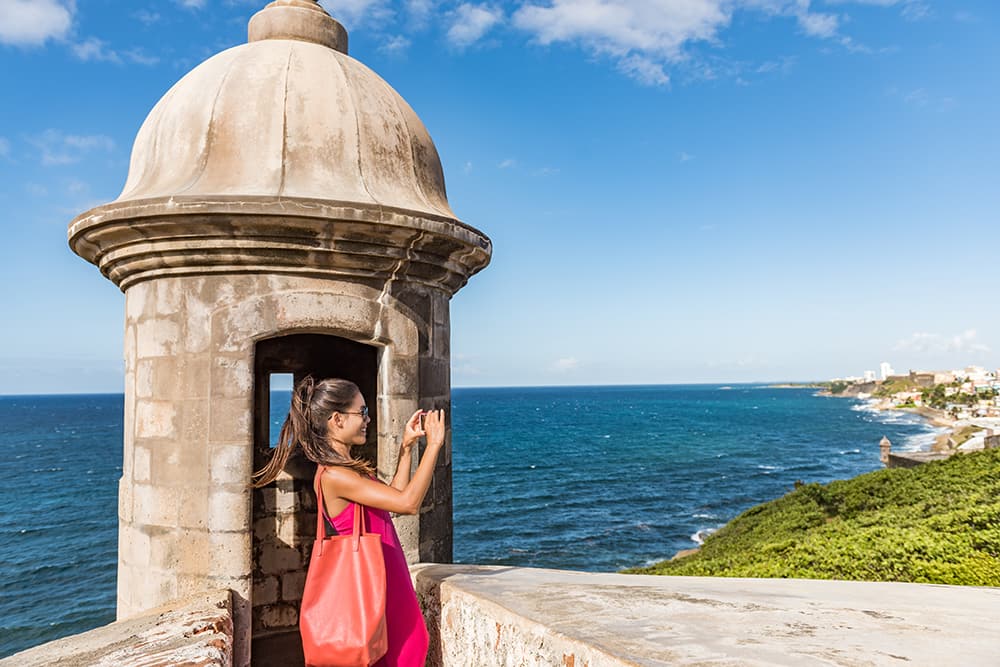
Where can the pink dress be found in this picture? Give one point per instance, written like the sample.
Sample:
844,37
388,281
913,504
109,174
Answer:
404,622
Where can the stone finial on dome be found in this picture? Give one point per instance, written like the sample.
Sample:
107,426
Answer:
302,20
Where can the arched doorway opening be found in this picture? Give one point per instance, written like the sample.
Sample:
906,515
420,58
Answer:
284,512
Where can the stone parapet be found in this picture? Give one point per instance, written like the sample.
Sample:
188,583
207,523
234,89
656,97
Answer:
197,630
504,616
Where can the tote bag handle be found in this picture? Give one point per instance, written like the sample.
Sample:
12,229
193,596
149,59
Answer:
359,516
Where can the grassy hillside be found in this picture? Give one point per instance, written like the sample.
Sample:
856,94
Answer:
936,523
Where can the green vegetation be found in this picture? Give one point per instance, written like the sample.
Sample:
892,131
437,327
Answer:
935,396
887,388
838,387
936,523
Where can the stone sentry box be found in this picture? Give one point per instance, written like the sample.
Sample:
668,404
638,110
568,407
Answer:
284,212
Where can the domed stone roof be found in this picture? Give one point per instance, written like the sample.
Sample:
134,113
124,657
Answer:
289,118
287,124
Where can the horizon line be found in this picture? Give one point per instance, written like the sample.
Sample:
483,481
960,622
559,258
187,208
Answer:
503,386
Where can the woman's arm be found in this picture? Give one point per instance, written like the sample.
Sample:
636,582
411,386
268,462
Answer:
346,484
403,465
411,433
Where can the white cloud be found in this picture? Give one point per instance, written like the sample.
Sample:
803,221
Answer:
146,16
471,22
783,65
395,44
34,22
93,49
419,12
565,364
139,57
818,25
916,11
644,70
507,164
684,157
911,10
192,4
647,38
56,148
621,26
922,342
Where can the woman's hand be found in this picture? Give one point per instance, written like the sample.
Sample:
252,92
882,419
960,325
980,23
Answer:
434,428
413,431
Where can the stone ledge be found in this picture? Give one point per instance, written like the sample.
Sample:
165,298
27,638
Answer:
488,616
196,631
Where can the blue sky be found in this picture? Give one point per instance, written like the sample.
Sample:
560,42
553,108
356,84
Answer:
677,190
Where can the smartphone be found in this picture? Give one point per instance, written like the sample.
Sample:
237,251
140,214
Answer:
422,416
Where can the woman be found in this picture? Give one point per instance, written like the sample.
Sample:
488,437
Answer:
326,420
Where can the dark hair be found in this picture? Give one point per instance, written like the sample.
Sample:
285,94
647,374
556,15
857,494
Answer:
312,404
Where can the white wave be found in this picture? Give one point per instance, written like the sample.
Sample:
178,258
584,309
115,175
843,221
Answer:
921,442
764,467
705,516
700,535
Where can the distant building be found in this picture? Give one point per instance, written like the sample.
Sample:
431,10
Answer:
886,370
922,379
976,374
869,376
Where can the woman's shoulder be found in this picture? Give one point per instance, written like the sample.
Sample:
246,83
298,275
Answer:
341,473
342,477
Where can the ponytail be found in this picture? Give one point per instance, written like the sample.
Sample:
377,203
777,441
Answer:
305,426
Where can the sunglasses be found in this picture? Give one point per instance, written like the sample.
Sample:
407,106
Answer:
363,412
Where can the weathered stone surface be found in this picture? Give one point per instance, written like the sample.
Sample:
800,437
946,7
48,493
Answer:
193,631
488,616
155,419
279,616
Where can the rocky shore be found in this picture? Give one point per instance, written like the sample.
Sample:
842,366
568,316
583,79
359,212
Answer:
962,435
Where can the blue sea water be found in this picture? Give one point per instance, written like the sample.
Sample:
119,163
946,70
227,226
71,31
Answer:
588,478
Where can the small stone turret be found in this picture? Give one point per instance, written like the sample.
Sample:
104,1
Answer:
284,212
885,448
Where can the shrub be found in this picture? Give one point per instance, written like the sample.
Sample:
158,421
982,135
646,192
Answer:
936,523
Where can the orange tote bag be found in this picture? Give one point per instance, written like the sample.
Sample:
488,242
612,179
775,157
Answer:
342,619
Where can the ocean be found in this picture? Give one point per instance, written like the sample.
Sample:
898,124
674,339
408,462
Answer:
585,478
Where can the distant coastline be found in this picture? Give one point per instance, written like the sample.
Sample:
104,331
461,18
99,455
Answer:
969,407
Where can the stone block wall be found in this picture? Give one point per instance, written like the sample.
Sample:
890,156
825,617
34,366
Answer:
283,533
